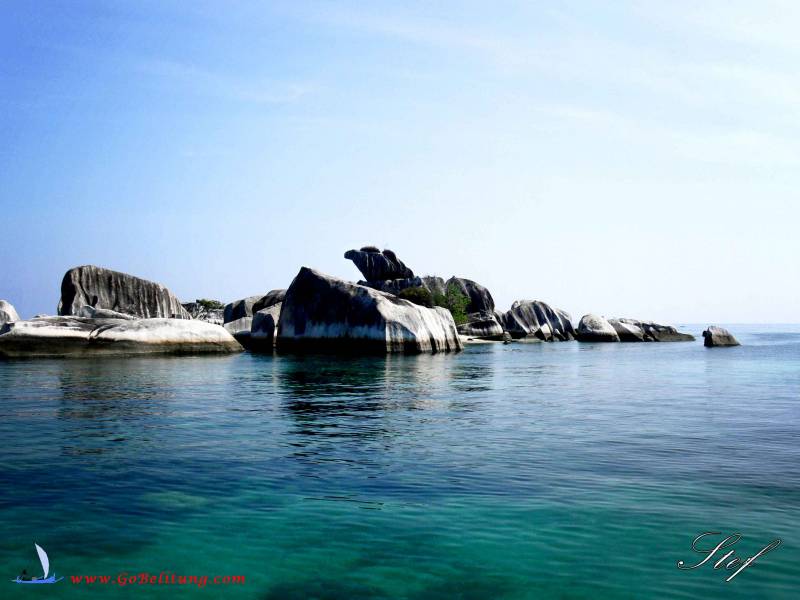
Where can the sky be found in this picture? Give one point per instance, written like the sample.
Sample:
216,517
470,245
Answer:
630,159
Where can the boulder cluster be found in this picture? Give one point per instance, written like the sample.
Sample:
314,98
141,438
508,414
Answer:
391,310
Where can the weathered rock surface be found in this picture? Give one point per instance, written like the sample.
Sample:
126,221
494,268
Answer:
627,332
322,313
655,332
271,298
718,337
8,313
263,333
536,319
102,313
239,309
593,328
80,336
106,289
378,266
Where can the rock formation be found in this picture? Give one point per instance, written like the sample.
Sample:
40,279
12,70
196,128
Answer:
272,298
718,337
481,320
323,313
534,319
200,310
263,332
651,332
627,332
378,266
593,328
81,336
106,289
8,314
239,309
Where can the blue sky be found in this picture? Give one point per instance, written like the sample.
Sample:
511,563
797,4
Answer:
632,159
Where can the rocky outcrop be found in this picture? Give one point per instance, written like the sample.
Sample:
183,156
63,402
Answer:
81,336
263,333
271,298
239,309
533,319
593,328
627,332
239,314
481,321
111,290
652,332
200,310
321,313
378,266
714,337
8,313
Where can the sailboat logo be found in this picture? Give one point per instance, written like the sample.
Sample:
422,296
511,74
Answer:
24,578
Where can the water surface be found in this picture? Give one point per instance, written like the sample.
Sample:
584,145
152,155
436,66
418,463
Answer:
559,470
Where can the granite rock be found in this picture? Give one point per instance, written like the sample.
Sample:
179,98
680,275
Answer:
718,337
322,313
111,290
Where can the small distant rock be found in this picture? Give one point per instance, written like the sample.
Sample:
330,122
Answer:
714,337
593,328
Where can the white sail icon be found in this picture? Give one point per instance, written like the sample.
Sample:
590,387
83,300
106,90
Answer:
43,559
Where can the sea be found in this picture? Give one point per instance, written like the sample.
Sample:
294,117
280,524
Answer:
547,471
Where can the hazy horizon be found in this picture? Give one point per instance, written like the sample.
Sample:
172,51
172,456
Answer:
636,160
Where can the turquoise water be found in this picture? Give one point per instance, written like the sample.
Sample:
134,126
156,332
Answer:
523,471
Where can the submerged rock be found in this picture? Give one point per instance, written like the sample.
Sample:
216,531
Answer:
378,266
593,328
111,290
8,314
264,331
536,319
321,313
718,337
81,336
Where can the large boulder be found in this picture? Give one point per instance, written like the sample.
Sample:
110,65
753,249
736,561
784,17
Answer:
264,331
106,289
82,336
481,321
271,298
627,332
378,266
534,320
593,328
718,337
239,309
654,332
321,313
8,313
